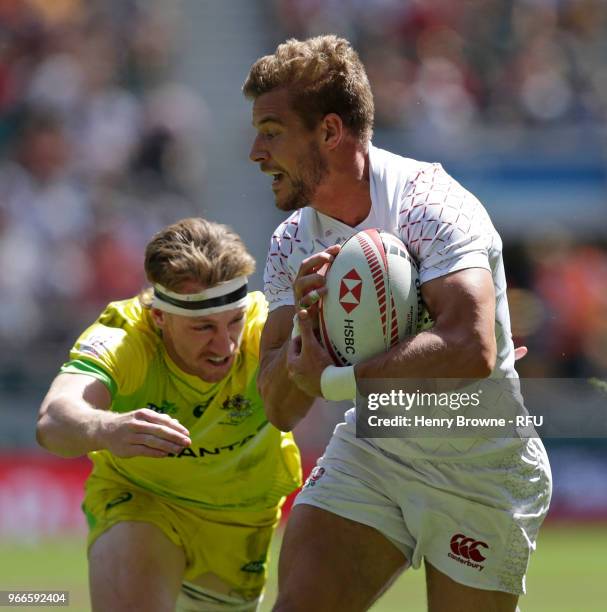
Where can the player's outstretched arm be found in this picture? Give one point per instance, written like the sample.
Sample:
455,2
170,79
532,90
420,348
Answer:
285,403
462,342
74,419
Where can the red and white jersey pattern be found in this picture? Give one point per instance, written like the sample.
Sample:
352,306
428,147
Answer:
443,225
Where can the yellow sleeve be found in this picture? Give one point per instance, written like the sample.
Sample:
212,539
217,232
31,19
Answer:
118,356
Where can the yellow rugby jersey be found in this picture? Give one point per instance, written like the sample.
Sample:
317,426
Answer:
237,459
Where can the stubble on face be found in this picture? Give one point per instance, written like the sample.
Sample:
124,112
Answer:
312,170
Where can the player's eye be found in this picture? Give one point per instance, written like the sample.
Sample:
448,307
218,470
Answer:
270,133
202,328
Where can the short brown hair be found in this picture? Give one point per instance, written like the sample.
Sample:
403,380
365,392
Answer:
323,75
198,250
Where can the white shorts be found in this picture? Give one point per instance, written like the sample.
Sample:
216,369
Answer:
476,521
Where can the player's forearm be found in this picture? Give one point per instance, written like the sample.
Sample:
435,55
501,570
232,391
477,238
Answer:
285,404
433,354
71,427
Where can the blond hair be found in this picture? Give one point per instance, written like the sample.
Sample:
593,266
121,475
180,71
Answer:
322,75
195,250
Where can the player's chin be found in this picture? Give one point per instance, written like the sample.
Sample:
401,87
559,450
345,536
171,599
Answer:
288,202
283,203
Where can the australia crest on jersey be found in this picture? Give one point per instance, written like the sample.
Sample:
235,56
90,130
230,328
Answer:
237,408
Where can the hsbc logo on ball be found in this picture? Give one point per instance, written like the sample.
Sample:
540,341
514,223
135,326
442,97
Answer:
350,290
468,551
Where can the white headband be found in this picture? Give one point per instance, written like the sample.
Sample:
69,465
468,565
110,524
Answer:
224,296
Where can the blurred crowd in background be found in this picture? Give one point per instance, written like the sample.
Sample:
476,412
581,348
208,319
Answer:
452,65
100,147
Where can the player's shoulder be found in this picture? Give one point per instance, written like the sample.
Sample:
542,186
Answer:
123,330
257,308
383,157
413,172
432,192
432,177
389,166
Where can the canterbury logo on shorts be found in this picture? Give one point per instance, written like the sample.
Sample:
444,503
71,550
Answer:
468,551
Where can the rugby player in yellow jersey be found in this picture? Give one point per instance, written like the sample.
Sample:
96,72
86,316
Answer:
188,475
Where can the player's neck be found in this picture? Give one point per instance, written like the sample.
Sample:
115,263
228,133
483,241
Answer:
345,194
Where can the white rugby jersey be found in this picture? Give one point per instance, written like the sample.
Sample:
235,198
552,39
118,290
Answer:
445,229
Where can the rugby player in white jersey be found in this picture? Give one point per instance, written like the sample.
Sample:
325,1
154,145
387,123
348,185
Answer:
160,391
374,507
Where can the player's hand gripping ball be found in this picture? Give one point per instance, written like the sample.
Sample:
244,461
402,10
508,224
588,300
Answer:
373,298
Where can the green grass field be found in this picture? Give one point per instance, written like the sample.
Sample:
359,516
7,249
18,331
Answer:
568,573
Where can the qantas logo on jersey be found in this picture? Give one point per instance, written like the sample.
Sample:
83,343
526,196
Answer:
468,551
202,451
350,289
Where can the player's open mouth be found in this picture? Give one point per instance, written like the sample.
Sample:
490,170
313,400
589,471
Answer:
276,178
218,362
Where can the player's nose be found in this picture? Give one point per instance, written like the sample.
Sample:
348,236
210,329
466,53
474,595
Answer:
222,343
258,153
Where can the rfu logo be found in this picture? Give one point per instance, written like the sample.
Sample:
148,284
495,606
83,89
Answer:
467,551
315,475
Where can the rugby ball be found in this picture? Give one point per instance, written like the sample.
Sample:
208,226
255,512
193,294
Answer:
373,298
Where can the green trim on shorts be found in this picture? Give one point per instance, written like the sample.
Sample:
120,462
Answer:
82,366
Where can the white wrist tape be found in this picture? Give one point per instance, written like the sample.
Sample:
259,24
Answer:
338,384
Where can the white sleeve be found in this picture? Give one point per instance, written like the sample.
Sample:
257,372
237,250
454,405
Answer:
443,225
277,277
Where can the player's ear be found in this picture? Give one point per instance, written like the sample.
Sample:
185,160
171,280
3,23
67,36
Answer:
158,317
332,130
